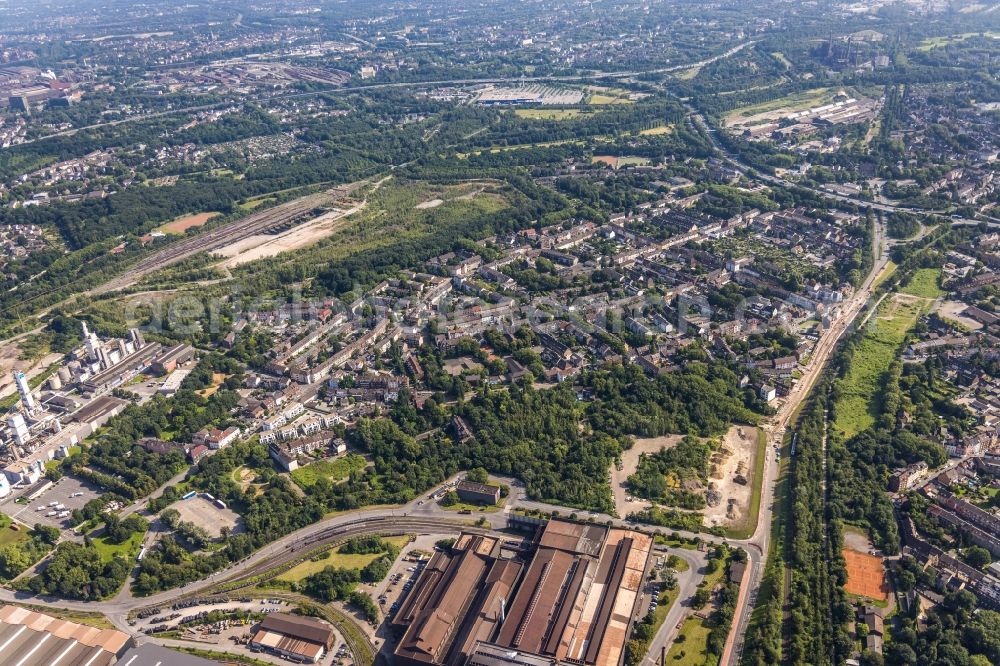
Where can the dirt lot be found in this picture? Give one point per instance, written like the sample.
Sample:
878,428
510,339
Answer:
741,443
204,513
953,310
182,224
431,203
265,245
630,461
10,361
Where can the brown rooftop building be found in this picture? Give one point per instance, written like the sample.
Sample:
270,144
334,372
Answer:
572,603
35,639
294,637
457,601
479,493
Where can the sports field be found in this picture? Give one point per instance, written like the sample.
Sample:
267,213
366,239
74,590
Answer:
865,576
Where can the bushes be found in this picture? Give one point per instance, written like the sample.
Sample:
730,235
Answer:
18,556
77,572
331,584
118,531
686,461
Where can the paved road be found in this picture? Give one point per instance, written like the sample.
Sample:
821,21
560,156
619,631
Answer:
403,84
759,543
756,546
687,583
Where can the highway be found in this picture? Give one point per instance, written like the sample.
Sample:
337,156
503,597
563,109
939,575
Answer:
402,84
423,516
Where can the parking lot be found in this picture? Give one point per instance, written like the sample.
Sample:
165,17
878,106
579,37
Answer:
232,634
388,592
68,492
203,513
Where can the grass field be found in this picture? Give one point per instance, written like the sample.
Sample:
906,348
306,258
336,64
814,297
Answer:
7,535
667,540
689,73
780,57
691,650
475,508
129,549
520,146
608,96
392,218
924,284
548,114
664,601
945,40
886,273
656,131
339,560
680,565
857,407
250,204
335,469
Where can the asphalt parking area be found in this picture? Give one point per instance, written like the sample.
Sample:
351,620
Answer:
68,492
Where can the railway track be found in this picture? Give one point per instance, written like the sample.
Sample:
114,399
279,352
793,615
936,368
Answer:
291,553
252,571
280,216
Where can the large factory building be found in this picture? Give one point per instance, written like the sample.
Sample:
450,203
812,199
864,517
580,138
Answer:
569,599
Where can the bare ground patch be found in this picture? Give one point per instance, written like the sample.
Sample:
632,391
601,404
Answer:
630,462
261,246
731,476
182,224
204,513
953,310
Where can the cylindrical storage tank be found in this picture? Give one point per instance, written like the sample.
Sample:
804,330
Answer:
64,374
55,383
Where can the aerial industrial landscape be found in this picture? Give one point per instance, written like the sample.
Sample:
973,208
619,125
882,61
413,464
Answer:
508,333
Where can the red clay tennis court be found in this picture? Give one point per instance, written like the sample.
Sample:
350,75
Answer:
865,575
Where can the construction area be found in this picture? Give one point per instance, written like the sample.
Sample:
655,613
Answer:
570,594
731,470
730,478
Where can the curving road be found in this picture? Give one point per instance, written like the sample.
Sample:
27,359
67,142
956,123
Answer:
421,514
